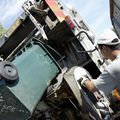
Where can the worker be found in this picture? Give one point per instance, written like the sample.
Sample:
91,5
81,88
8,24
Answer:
109,45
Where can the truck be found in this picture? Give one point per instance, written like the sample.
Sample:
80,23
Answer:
46,52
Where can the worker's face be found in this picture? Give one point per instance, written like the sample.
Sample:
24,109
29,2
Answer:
105,51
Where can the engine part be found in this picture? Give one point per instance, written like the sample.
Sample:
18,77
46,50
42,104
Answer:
8,72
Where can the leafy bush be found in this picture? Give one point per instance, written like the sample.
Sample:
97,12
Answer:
2,30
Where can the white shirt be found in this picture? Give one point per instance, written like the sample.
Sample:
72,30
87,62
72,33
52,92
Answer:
110,78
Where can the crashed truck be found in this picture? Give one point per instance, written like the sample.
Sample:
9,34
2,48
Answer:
43,57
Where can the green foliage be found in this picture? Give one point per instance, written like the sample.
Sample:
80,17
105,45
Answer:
2,30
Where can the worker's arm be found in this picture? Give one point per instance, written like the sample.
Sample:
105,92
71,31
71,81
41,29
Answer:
91,87
88,84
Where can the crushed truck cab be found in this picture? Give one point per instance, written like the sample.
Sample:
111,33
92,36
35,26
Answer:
47,44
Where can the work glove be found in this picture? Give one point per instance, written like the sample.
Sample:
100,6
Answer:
83,79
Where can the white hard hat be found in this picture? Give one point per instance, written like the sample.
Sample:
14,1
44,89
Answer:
108,37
